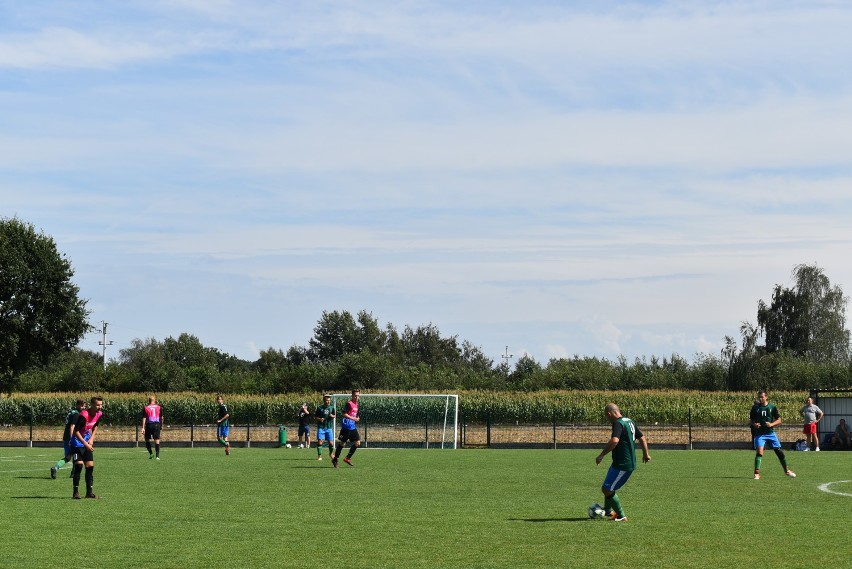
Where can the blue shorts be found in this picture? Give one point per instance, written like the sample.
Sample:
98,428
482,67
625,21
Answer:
771,438
325,435
222,431
616,478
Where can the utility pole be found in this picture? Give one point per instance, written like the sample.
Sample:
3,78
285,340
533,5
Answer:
103,341
506,357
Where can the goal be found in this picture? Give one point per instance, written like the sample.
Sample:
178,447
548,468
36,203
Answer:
404,420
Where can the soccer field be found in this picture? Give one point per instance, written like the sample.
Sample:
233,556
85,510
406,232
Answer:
263,508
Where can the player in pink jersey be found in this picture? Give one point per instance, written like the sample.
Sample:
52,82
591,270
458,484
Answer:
83,446
152,420
348,430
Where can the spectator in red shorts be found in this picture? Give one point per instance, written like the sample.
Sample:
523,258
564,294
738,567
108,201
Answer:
811,415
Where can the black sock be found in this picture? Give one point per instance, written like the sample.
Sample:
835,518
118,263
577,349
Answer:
148,446
78,468
352,450
90,479
338,448
157,446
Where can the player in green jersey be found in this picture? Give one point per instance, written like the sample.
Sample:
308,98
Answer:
325,415
763,418
622,445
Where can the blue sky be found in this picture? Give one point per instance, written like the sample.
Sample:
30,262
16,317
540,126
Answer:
561,178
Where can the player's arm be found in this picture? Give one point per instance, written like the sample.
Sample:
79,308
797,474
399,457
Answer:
820,415
776,418
144,420
646,456
613,442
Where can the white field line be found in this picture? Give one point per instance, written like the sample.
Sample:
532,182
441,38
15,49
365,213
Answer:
827,488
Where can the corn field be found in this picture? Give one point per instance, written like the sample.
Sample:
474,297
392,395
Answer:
564,407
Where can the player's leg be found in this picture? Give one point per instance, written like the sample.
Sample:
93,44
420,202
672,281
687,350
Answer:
775,444
90,477
355,440
614,480
77,458
758,455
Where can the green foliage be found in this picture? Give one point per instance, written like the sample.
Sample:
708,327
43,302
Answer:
646,406
41,313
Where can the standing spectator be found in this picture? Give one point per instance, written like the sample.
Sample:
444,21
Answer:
152,421
70,420
325,415
841,437
304,426
223,425
83,446
622,444
811,415
764,417
348,430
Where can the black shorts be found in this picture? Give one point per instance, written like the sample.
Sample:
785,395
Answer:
152,431
348,435
82,454
304,430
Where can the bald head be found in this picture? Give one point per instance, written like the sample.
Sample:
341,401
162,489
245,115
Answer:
612,411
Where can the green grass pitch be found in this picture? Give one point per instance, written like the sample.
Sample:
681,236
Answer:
264,507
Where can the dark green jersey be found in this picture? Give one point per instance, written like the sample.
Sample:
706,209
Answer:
324,412
69,420
764,414
223,411
624,453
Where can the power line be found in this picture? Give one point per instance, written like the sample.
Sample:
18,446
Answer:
103,341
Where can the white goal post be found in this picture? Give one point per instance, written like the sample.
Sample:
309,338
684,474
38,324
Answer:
404,420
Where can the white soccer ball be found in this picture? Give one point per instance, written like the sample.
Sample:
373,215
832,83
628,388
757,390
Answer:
596,512
301,445
289,445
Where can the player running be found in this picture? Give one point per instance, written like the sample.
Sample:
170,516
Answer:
623,447
83,446
348,430
70,420
764,417
325,426
223,425
152,421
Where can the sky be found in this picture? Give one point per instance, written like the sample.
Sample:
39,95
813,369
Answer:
543,178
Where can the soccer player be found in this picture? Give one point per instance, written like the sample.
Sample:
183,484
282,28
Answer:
223,425
764,417
70,420
348,430
325,429
304,417
622,445
83,446
811,415
152,421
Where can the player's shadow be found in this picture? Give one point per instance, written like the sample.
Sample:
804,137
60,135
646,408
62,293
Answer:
38,498
542,520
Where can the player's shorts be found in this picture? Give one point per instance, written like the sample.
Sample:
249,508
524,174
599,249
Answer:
222,431
152,430
771,439
616,478
82,454
325,434
809,429
348,435
304,430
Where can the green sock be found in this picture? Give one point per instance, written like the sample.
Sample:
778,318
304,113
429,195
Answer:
59,464
616,502
757,459
223,442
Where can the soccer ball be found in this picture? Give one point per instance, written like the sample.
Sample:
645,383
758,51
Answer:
301,445
596,512
289,445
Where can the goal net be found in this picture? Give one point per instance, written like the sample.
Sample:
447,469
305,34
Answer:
403,420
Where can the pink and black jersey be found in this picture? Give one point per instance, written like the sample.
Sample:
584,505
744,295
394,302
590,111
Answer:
86,423
152,413
350,409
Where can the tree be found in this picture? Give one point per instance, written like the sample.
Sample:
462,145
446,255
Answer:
809,319
41,313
